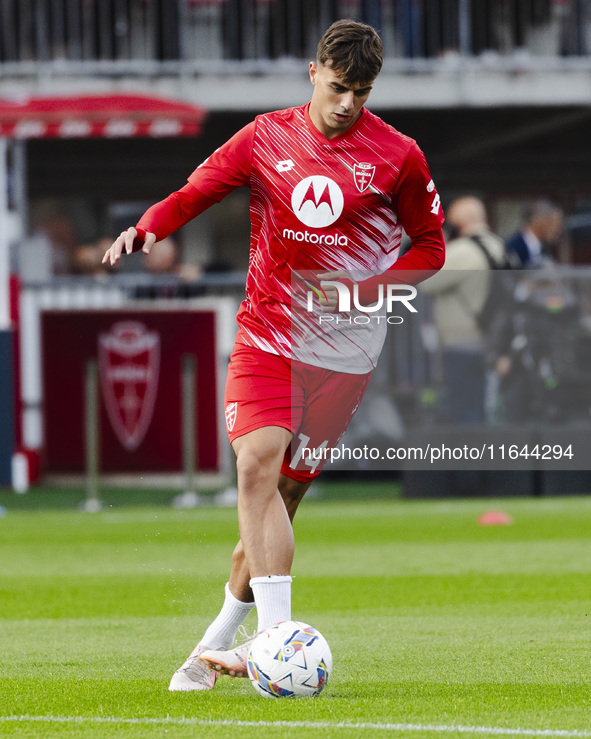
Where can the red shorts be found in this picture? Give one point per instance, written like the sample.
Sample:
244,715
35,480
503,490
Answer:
315,404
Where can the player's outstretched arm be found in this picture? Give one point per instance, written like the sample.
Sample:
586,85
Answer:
125,242
159,221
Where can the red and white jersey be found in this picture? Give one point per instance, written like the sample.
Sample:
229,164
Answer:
320,205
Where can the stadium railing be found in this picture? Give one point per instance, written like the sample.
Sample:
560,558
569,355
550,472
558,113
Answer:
127,37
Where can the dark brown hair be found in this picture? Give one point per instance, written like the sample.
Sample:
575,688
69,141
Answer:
353,50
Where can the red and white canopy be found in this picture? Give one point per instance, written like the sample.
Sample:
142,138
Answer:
118,115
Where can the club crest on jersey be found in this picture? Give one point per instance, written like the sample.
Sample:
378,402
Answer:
231,412
363,174
129,368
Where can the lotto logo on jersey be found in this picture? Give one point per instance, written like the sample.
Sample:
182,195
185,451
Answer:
317,201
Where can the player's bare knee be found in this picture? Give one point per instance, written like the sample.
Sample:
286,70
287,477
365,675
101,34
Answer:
257,466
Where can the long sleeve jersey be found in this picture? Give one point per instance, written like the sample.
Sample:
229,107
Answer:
318,205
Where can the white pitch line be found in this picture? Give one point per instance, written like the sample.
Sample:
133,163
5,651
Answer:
170,720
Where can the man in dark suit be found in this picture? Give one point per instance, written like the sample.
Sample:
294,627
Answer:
541,228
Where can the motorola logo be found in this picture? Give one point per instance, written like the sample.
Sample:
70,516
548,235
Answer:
317,201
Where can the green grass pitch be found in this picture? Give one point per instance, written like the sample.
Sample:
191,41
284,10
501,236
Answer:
439,627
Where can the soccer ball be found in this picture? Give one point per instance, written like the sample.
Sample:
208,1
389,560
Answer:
289,660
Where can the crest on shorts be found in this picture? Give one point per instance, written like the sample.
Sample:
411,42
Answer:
231,410
129,367
363,174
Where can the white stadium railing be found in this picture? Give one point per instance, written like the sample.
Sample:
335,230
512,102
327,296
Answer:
79,37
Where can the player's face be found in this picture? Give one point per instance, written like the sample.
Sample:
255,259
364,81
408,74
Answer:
335,104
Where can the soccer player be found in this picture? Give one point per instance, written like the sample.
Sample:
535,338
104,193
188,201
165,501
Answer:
332,187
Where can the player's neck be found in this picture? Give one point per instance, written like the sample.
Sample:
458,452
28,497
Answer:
324,129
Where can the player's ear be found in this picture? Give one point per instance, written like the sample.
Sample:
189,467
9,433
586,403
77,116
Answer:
313,72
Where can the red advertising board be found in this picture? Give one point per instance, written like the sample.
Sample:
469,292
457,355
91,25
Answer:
139,356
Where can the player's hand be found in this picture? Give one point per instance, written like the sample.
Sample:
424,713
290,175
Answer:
125,242
332,296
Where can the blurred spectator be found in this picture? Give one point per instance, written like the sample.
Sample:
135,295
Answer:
542,351
87,260
534,243
409,21
55,226
164,259
164,262
519,23
460,290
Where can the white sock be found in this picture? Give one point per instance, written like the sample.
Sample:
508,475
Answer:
272,594
222,632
